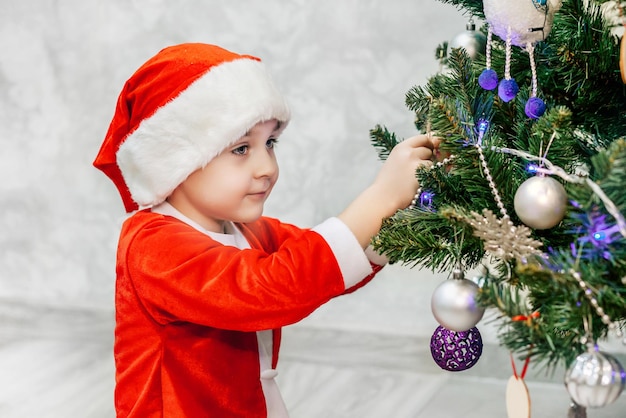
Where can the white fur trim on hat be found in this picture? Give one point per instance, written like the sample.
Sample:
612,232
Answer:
185,134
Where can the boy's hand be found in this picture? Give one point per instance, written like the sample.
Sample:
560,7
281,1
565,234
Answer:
396,180
393,189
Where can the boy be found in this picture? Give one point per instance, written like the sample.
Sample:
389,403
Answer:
204,281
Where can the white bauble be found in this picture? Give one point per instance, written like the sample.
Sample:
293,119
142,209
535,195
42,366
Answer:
540,202
529,20
454,306
595,379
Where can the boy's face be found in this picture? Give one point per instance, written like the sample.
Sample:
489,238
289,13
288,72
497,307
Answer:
235,184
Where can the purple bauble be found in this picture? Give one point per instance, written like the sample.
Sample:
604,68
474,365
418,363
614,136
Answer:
507,89
456,351
535,107
488,79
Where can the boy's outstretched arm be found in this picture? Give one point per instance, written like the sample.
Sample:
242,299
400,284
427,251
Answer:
393,188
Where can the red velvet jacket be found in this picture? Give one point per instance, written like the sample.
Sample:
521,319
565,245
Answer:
188,308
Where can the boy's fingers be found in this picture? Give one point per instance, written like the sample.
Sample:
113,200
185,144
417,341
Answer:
424,153
420,141
436,141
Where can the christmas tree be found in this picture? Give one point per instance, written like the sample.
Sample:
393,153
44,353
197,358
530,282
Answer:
528,188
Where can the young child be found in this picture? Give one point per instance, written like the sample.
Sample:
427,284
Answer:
204,281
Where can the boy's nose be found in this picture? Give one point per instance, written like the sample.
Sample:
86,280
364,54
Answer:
266,165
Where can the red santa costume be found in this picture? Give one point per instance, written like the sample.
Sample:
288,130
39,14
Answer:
198,314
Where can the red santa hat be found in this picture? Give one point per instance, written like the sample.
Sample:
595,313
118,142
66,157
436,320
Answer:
180,110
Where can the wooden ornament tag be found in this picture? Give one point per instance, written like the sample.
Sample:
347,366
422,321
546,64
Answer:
517,398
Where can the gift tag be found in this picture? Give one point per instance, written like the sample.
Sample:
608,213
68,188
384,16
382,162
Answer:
517,398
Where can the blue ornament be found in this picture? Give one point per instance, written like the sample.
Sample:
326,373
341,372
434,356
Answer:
426,199
535,107
488,79
532,168
507,89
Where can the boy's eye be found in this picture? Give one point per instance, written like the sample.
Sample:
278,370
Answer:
271,143
241,150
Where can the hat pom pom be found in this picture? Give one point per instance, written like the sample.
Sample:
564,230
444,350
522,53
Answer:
488,79
535,107
507,89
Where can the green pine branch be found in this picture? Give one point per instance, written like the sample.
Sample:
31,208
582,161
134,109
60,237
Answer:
383,141
544,311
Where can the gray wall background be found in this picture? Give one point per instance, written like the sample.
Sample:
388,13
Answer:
344,65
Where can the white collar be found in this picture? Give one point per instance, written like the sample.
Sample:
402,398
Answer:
233,236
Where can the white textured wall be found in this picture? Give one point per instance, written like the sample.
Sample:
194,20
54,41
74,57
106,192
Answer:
344,65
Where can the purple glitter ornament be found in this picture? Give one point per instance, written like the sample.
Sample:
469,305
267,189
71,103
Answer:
535,107
507,89
488,79
456,351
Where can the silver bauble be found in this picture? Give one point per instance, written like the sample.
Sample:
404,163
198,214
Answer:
454,306
595,379
540,202
471,40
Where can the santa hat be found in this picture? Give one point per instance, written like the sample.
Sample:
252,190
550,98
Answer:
180,110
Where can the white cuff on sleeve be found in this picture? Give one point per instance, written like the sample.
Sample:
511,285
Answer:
374,257
353,262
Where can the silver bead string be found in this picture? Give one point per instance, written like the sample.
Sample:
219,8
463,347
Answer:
492,185
589,294
552,169
419,190
415,198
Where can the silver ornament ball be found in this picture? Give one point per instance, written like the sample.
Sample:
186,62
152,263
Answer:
595,379
471,40
540,202
454,306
